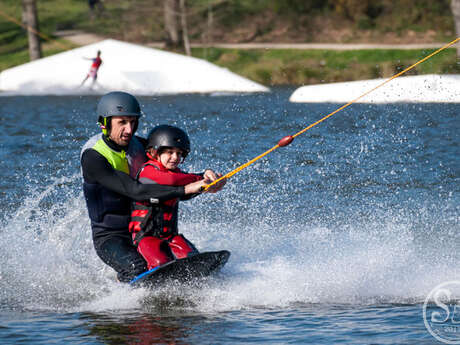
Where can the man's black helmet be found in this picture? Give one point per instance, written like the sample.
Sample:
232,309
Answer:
168,136
116,103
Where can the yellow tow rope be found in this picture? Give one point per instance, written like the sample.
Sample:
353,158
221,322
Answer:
288,139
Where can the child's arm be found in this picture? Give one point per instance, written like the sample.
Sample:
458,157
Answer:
169,178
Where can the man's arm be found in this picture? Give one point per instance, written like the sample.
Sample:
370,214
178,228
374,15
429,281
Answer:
96,169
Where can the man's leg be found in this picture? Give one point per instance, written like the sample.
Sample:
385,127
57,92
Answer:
86,78
119,253
94,80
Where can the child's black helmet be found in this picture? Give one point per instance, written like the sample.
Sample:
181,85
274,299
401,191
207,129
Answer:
168,136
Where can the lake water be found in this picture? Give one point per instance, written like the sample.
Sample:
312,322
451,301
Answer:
336,238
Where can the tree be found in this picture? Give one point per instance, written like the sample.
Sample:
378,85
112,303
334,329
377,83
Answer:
30,17
455,6
183,20
170,8
175,24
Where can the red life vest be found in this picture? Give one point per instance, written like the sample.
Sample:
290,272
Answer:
96,62
158,219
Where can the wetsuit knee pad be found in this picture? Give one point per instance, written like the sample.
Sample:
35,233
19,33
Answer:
119,253
155,251
138,266
181,247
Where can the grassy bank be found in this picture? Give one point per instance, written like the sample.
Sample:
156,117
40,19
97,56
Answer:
300,67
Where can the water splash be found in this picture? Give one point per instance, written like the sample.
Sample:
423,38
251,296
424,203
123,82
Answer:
49,262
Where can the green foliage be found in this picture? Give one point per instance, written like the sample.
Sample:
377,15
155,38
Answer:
53,15
298,6
298,67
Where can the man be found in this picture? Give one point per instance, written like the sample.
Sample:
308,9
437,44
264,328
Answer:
95,64
110,161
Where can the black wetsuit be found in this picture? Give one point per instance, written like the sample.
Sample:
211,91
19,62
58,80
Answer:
111,236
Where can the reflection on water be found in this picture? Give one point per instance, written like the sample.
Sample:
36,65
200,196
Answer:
143,329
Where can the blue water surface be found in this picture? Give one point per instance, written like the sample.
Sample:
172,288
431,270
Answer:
336,238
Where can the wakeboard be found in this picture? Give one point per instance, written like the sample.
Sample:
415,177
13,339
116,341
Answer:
183,270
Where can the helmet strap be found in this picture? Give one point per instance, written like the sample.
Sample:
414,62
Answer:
136,125
104,125
150,156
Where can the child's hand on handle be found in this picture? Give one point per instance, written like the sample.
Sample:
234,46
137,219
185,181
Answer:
195,187
208,177
211,176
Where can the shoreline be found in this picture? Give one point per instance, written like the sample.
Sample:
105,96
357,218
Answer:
85,38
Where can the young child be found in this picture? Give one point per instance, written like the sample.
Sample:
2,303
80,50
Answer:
154,224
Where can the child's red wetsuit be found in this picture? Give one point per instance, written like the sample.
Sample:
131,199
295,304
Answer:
154,224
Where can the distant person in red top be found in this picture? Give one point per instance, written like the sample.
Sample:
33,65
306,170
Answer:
96,63
154,223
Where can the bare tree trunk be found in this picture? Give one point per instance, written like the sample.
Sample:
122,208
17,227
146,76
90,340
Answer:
183,21
30,16
208,32
24,14
209,28
171,23
455,6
